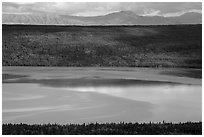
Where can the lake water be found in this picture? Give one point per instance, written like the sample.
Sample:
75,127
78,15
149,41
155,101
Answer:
76,95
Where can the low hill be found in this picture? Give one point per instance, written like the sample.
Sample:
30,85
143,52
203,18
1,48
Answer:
130,46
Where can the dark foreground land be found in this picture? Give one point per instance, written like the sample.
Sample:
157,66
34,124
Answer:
188,128
124,46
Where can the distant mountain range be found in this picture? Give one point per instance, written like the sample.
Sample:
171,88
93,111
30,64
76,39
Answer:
117,18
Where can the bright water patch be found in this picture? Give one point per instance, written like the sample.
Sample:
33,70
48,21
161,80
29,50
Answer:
100,104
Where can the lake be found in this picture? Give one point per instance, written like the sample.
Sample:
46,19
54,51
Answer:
37,95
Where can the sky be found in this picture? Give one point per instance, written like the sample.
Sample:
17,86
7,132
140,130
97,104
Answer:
165,9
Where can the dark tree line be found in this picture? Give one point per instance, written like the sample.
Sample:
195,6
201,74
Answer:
193,128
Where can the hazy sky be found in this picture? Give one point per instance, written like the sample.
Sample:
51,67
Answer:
101,8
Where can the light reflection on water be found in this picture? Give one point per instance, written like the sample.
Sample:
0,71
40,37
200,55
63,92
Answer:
145,93
32,103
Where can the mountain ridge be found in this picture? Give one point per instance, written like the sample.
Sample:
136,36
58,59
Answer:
116,18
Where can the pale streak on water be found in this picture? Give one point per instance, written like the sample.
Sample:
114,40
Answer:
33,103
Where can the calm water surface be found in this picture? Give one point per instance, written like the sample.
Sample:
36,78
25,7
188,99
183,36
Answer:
69,95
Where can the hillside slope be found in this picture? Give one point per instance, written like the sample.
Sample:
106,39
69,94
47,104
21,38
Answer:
131,46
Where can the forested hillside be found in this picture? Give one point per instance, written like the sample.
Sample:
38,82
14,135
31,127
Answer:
130,46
